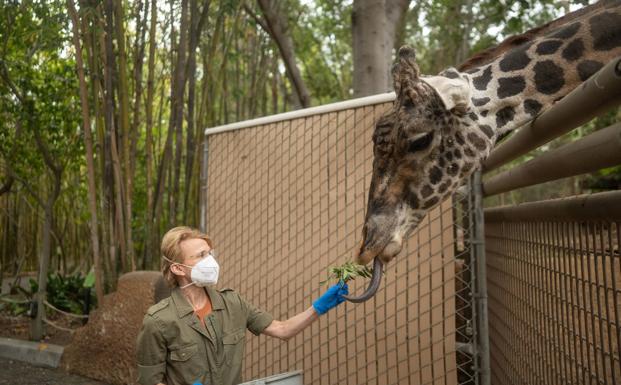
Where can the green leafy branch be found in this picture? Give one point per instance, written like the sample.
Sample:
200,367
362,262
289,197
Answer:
347,272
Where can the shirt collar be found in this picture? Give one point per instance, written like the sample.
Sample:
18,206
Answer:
183,305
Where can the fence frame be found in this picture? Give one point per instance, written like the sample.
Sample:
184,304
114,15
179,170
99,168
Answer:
597,95
470,366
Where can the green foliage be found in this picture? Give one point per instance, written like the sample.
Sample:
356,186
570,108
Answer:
18,301
322,34
67,292
41,91
347,272
89,280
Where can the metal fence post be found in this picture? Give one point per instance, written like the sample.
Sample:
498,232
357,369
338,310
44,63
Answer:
203,187
477,242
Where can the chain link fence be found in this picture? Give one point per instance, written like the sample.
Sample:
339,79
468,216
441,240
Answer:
284,199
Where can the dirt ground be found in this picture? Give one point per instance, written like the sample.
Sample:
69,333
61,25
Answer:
20,373
13,372
19,328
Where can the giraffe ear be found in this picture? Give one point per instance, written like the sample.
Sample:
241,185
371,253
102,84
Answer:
405,71
454,90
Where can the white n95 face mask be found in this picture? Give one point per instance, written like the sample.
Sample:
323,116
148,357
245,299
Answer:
204,273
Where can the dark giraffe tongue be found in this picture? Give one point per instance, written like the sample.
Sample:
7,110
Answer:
376,278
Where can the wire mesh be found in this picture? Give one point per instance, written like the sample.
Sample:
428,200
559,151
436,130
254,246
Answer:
284,202
554,301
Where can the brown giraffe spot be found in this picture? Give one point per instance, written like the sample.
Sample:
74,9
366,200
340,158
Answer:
468,151
587,68
566,32
548,47
435,175
442,188
532,107
473,116
476,140
480,101
606,31
459,138
504,115
510,86
450,73
548,77
457,153
516,59
449,156
481,82
484,113
574,50
431,202
452,169
426,191
467,167
487,130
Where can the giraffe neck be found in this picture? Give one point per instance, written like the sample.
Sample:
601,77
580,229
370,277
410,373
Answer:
516,87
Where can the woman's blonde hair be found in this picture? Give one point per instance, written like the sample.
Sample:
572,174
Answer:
171,249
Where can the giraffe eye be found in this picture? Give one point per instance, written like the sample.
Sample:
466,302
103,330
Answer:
420,142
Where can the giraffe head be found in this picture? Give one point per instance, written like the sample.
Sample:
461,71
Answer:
422,148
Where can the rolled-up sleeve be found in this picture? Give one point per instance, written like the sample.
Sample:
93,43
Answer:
151,353
256,319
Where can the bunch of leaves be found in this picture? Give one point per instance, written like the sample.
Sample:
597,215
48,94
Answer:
347,272
69,292
17,302
66,293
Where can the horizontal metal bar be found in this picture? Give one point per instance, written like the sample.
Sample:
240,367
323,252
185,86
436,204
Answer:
605,205
333,107
598,150
596,95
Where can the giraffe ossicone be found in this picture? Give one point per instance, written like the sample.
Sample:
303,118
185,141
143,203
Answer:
442,127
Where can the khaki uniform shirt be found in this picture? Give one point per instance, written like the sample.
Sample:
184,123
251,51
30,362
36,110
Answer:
175,348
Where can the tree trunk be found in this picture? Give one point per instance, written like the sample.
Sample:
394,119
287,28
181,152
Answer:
197,22
90,167
126,187
371,69
275,25
158,199
396,12
375,24
111,130
48,207
177,105
147,260
94,45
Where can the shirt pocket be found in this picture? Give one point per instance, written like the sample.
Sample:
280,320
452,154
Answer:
185,365
183,353
234,343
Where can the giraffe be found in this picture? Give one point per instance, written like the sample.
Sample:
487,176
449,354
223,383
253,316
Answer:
440,128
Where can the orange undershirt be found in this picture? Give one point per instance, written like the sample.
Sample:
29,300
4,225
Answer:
204,311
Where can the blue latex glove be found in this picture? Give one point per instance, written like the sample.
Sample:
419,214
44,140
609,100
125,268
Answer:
331,298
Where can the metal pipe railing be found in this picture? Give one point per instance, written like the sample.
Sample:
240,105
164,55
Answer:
477,240
595,96
594,152
605,205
